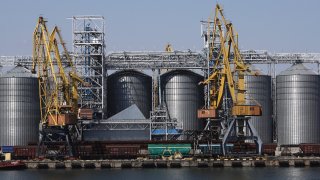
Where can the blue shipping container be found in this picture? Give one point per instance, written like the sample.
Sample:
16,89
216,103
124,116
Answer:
7,149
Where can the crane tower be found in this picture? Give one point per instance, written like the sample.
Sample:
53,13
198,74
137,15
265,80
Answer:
225,87
58,83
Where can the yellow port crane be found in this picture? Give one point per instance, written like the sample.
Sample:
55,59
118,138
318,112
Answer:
168,48
227,78
57,87
223,73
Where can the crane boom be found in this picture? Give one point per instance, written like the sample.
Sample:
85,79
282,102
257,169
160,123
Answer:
57,88
228,69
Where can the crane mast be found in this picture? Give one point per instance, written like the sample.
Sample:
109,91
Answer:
58,83
225,83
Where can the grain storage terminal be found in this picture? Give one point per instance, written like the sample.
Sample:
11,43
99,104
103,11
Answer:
158,105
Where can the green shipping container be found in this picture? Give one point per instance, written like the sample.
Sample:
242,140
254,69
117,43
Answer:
168,149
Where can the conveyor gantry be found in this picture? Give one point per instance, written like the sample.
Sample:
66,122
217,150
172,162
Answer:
178,59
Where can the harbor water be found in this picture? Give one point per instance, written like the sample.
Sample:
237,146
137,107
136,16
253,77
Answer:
291,173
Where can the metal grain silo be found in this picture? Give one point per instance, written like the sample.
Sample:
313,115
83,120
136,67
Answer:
259,89
182,96
298,102
19,107
125,88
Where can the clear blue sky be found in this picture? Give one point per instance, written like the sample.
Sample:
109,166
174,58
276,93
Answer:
274,25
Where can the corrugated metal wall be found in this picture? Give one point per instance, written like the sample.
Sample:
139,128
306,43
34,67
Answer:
298,113
183,97
126,88
19,110
259,89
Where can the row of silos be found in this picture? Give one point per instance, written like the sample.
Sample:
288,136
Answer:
297,102
183,96
297,99
180,93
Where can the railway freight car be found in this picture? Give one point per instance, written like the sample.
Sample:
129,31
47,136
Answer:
310,149
213,150
269,149
159,150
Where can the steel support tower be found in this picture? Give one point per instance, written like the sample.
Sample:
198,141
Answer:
163,127
88,56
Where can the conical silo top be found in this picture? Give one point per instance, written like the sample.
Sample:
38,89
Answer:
298,69
19,72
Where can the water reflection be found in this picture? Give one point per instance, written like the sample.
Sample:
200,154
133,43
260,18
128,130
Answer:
172,174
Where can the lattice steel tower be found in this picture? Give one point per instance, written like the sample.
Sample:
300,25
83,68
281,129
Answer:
88,55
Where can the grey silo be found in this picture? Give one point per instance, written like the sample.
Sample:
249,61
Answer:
183,97
125,88
19,107
298,102
259,89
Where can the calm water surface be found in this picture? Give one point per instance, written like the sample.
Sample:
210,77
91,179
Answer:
172,174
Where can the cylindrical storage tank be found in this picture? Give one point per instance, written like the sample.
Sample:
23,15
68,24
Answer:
298,102
258,88
183,96
125,88
19,108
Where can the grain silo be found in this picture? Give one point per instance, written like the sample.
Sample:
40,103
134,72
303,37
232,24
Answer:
125,88
182,96
258,90
298,102
19,107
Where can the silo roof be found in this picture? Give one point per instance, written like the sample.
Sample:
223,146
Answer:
298,69
19,71
181,71
128,72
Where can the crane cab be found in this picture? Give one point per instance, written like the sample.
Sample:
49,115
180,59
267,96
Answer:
62,119
207,113
85,114
246,110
